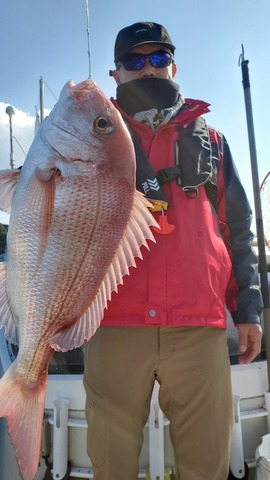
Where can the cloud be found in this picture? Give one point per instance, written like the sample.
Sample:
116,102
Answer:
23,129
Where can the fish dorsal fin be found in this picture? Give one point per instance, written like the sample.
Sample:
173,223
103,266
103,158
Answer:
6,317
135,236
8,183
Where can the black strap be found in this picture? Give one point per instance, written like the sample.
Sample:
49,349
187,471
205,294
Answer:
147,180
211,192
194,153
169,173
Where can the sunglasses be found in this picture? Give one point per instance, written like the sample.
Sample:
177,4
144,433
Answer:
136,61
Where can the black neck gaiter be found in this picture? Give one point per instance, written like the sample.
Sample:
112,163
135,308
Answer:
146,93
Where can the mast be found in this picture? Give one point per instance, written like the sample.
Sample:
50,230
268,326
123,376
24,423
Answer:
258,208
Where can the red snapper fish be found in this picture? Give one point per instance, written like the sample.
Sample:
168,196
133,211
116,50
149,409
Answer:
76,224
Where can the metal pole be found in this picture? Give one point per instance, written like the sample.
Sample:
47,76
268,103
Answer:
258,208
41,98
10,112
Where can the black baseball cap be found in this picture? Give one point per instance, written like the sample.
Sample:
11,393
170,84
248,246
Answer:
139,34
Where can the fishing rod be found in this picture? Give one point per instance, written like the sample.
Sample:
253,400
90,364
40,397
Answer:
258,207
88,38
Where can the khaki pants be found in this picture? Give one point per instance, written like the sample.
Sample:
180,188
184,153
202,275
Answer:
192,367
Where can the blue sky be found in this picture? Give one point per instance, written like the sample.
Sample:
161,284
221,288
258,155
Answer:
48,38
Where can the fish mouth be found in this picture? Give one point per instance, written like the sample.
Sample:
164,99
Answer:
81,89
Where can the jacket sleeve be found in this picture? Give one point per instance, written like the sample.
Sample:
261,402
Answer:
243,296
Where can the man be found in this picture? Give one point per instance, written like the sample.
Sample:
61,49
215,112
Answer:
168,321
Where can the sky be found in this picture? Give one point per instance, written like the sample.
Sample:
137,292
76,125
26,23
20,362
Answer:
49,39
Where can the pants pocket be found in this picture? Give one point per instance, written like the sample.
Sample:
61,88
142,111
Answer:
96,418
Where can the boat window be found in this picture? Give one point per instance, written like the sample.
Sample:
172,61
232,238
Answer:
70,362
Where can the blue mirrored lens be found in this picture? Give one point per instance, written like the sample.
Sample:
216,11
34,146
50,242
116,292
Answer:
160,60
136,61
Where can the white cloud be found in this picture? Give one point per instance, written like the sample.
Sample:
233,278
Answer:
23,129
4,218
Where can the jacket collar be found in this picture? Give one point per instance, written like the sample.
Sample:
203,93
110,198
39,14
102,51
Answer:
191,110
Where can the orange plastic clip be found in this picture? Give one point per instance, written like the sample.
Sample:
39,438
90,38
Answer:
165,226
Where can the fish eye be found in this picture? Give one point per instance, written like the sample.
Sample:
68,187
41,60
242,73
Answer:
103,124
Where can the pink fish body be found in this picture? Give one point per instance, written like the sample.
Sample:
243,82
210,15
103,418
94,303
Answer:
76,225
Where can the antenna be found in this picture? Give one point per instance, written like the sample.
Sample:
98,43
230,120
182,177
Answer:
88,38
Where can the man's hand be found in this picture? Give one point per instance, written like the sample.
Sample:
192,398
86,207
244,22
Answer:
250,339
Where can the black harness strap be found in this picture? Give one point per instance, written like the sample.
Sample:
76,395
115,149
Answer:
169,173
211,192
146,178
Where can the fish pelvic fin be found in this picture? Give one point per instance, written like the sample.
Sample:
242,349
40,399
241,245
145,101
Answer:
6,318
136,234
24,408
8,183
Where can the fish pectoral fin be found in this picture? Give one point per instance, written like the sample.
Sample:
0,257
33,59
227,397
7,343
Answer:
136,235
8,183
84,328
75,336
6,318
41,197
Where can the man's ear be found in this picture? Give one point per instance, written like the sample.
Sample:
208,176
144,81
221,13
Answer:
115,75
174,69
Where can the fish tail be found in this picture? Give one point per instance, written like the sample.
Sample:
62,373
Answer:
24,408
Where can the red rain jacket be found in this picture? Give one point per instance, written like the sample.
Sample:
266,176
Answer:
206,262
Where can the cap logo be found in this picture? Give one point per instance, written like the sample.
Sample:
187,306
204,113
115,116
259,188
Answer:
141,30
